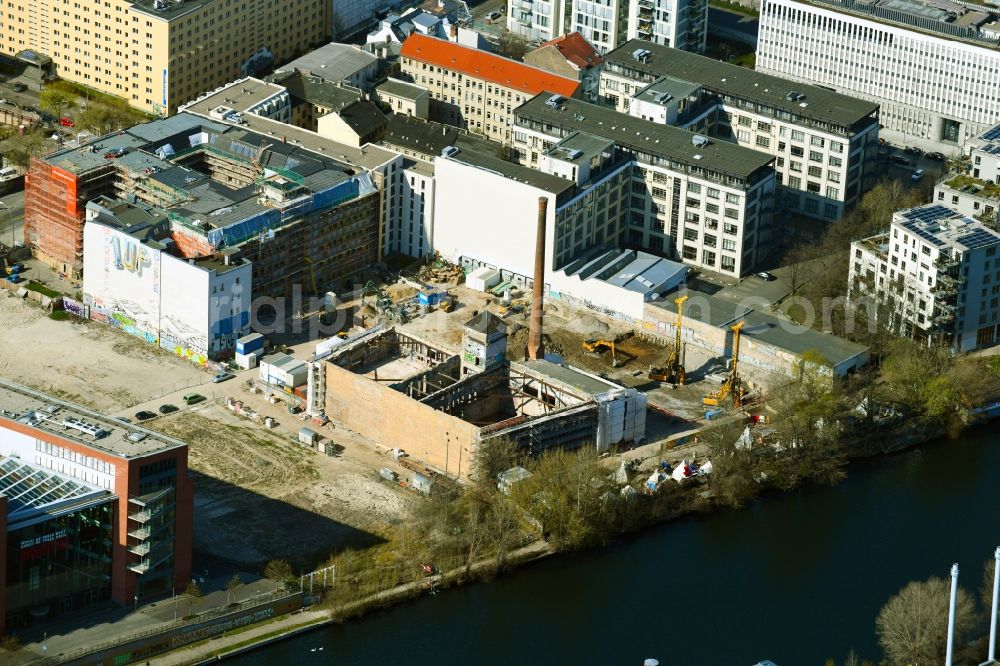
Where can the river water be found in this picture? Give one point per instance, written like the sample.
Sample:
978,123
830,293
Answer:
795,578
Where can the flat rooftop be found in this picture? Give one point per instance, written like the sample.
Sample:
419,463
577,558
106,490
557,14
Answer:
943,227
727,79
333,61
584,383
521,174
76,423
918,16
642,136
168,9
762,326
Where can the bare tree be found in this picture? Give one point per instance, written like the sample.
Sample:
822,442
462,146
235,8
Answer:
912,627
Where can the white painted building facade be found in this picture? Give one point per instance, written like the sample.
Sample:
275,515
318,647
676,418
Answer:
936,274
194,308
938,84
682,24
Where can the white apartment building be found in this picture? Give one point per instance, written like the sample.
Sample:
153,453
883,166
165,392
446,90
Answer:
824,143
538,20
706,202
935,274
473,89
682,24
933,67
975,193
608,23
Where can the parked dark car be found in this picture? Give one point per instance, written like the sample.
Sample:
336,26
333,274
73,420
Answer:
937,157
144,415
913,150
167,409
193,398
900,160
19,87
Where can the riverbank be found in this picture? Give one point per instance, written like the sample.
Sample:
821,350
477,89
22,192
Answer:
259,636
796,577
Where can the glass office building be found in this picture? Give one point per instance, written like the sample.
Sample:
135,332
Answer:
58,544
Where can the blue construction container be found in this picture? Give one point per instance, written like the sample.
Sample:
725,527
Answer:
250,344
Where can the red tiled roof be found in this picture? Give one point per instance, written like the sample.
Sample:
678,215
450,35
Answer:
575,48
486,66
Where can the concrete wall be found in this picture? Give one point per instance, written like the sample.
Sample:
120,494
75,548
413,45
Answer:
393,419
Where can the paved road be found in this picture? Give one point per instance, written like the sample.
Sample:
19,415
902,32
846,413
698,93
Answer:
12,217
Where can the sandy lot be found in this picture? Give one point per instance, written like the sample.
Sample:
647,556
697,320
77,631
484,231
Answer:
86,362
260,495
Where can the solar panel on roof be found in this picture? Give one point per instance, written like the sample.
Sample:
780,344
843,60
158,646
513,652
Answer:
992,133
979,238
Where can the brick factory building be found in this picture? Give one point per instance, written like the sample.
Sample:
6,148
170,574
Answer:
92,508
299,216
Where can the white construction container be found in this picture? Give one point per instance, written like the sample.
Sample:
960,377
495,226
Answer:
482,279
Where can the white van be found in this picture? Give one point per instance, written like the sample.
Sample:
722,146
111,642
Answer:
8,173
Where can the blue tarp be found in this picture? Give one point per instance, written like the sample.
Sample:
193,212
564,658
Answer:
273,218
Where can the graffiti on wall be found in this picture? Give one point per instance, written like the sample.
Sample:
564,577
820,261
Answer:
130,256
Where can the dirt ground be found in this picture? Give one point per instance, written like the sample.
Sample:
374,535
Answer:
85,362
565,329
260,495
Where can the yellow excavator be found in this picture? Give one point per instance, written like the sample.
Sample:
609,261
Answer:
734,384
673,371
595,346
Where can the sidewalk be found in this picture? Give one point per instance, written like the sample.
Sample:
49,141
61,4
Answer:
256,635
111,622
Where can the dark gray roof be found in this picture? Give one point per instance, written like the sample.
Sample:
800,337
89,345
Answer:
762,326
364,118
400,89
672,144
315,90
420,135
522,174
486,322
723,78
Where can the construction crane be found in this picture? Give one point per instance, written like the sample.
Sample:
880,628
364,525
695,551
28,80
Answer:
673,371
733,384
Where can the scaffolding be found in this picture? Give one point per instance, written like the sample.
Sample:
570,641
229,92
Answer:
55,201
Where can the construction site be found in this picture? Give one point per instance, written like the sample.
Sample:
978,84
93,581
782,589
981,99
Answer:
300,217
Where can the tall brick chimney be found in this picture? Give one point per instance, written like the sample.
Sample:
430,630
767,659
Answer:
536,348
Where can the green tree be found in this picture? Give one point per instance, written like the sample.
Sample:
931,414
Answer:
912,627
56,101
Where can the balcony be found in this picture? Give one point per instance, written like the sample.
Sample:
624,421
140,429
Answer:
645,4
140,549
140,534
140,567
